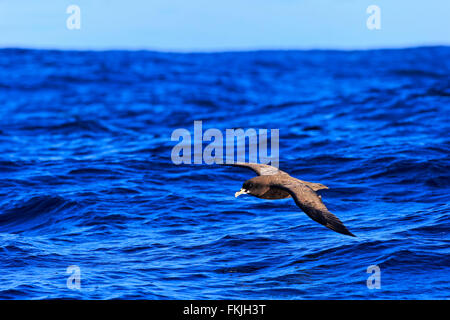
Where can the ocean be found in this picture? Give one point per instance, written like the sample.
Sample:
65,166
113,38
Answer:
93,207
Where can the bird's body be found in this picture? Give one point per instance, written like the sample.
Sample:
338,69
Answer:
272,183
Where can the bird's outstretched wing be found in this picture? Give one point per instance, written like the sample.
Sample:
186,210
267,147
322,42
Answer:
266,170
259,169
311,204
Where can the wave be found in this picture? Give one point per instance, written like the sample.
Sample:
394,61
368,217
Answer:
33,213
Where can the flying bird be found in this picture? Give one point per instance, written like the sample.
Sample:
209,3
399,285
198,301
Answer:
272,183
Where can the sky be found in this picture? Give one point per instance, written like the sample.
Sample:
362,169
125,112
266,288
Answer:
220,25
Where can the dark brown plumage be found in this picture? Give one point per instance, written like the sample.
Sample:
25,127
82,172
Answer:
272,183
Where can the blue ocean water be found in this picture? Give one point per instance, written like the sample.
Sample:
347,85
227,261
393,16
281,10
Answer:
87,178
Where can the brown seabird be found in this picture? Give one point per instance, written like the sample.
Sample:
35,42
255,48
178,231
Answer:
272,183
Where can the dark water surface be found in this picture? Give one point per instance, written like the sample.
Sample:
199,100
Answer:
87,178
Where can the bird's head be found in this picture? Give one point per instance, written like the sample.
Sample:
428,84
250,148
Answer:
256,186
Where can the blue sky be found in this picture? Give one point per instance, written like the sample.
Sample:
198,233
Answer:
216,25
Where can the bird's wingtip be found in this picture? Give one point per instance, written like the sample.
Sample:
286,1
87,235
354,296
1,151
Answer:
340,229
347,233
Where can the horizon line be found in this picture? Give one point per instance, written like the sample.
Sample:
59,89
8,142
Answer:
221,50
